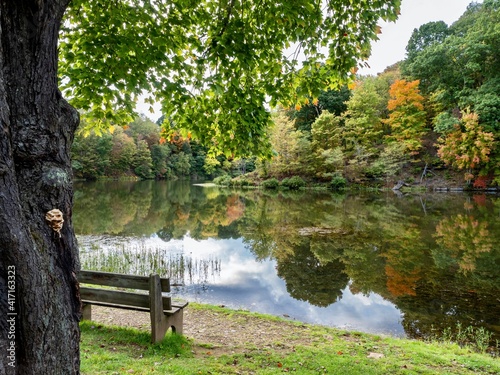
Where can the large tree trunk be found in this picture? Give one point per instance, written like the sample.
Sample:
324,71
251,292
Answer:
40,306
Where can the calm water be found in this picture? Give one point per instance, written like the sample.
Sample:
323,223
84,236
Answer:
409,265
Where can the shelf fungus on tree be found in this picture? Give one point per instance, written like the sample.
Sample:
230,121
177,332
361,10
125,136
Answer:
55,219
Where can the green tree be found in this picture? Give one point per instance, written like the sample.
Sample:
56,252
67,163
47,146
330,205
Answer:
327,137
241,166
210,165
390,161
327,132
181,164
485,101
199,155
122,153
291,148
425,36
333,161
212,64
462,69
159,156
363,125
333,101
91,155
142,162
143,128
444,122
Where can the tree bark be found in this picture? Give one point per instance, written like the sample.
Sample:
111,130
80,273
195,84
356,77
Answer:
39,299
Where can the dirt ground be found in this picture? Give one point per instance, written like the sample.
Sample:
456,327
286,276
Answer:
221,332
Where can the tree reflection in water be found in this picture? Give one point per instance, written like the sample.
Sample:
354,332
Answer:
434,256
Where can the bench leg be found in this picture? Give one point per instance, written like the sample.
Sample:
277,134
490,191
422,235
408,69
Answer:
160,323
158,320
176,321
158,328
87,311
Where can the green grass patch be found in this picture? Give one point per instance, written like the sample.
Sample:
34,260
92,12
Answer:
322,350
118,350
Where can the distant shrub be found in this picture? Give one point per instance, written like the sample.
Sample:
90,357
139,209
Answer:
375,170
241,182
144,172
293,183
223,180
338,182
271,183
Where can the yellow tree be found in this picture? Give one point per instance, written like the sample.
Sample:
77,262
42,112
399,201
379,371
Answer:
291,148
407,115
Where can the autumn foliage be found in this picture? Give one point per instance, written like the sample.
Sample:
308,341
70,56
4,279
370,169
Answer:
407,115
468,146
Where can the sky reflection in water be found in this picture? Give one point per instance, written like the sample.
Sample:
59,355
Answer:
245,283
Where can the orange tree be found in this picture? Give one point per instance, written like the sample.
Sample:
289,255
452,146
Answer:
407,115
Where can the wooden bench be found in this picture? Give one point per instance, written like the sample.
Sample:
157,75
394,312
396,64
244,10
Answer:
163,313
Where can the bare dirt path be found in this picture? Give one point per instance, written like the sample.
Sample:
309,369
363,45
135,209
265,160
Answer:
224,331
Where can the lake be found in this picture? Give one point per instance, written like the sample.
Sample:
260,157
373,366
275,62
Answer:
404,265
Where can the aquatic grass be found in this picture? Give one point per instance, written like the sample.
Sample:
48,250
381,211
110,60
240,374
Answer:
474,338
143,260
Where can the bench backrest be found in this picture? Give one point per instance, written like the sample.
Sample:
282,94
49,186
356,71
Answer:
153,283
120,280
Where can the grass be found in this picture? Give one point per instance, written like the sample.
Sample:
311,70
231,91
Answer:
322,350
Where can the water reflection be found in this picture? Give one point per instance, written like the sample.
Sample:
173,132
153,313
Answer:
376,263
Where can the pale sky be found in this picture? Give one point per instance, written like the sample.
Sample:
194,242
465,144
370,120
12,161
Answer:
390,48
